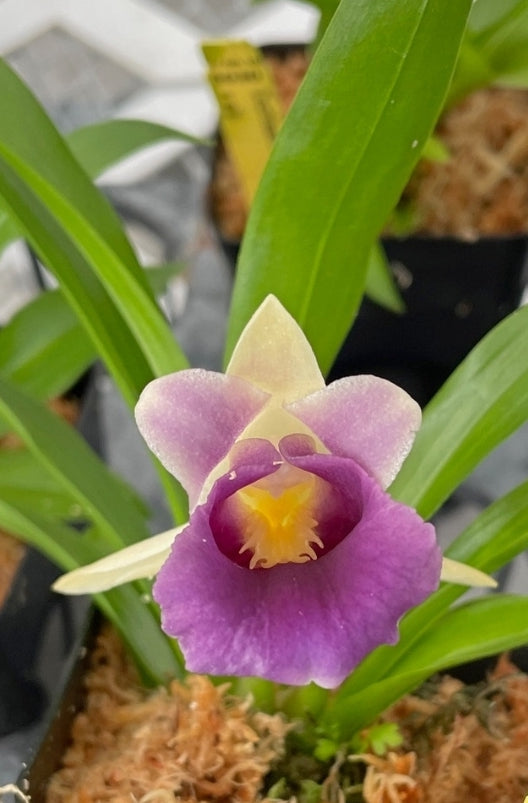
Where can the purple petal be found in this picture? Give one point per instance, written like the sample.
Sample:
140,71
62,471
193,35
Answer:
366,418
257,458
191,419
295,623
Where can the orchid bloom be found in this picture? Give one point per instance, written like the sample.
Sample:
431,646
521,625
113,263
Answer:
295,562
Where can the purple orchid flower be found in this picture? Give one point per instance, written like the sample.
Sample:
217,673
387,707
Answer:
295,562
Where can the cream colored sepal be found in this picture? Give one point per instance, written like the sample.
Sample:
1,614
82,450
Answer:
135,562
463,575
273,354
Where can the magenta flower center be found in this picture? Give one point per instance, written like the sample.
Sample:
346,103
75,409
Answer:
277,518
287,516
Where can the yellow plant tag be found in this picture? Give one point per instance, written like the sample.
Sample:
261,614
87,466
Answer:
250,110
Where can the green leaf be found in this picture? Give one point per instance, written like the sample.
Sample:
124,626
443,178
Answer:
327,8
483,401
325,749
342,158
435,150
87,296
101,145
79,237
61,340
504,44
22,478
473,71
44,530
48,365
485,14
63,452
43,348
383,736
156,656
498,535
494,49
159,276
77,234
8,230
470,631
380,286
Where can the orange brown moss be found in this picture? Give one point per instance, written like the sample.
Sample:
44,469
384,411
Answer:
482,189
191,742
458,744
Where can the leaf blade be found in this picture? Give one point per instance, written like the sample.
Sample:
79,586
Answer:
45,180
62,345
290,248
63,452
470,631
100,145
157,658
484,401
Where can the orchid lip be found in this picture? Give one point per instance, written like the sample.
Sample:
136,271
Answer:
281,515
295,622
279,526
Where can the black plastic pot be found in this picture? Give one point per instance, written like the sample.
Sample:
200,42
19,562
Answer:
25,619
44,756
38,628
475,671
454,292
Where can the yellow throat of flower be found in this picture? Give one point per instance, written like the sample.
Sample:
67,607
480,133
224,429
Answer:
277,518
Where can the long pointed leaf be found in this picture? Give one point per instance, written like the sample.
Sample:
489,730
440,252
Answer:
58,541
101,145
63,452
504,44
22,477
130,296
157,659
8,230
87,296
76,233
331,181
43,348
42,172
49,365
471,631
484,401
380,285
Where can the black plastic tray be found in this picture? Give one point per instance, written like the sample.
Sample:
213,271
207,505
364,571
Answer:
41,632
